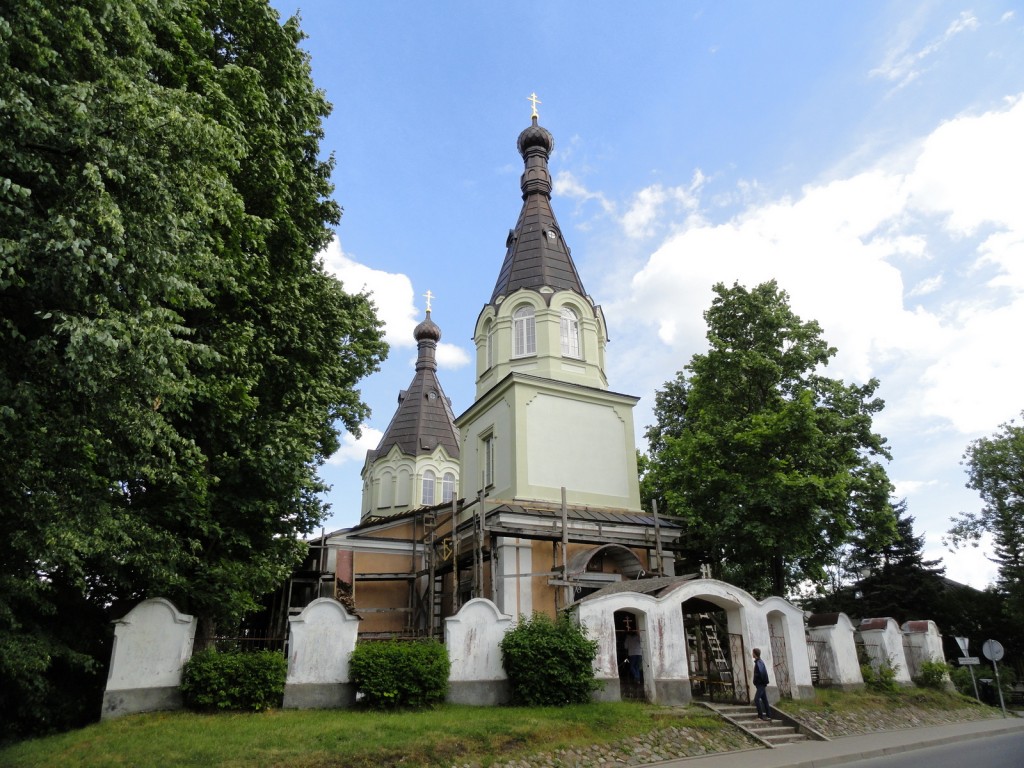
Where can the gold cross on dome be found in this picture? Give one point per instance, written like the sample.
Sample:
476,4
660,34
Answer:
429,296
534,101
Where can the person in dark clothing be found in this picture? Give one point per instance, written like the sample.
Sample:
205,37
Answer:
764,712
634,654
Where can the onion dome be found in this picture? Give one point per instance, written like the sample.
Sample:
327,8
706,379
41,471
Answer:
427,330
535,136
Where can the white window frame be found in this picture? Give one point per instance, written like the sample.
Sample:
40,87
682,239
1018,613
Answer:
489,331
429,484
447,487
524,332
488,459
570,333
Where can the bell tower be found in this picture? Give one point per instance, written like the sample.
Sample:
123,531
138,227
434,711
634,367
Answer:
543,416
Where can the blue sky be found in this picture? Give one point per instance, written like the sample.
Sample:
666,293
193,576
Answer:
868,156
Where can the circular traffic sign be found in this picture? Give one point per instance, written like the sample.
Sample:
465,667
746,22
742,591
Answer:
993,650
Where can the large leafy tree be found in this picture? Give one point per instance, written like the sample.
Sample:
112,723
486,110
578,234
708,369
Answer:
995,469
771,464
175,357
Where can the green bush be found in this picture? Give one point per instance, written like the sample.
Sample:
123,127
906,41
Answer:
934,674
234,681
400,674
549,662
881,678
962,681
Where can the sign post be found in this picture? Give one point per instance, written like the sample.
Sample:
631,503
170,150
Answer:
963,642
993,651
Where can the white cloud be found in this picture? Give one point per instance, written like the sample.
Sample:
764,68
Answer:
971,170
903,65
903,488
393,296
353,449
450,356
926,286
822,250
649,204
967,565
838,249
567,185
391,292
967,21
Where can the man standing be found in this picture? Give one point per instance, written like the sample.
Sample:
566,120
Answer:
764,712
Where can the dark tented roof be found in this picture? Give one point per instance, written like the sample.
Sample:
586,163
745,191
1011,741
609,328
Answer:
424,419
537,254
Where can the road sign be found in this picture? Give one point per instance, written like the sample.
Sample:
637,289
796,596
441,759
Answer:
962,642
993,650
969,661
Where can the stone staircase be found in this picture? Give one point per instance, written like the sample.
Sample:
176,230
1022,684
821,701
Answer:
777,732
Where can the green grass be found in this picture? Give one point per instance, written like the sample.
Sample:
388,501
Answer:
444,736
350,738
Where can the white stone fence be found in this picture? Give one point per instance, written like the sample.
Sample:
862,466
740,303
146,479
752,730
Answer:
154,641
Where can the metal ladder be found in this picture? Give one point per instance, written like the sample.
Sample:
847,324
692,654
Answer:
715,646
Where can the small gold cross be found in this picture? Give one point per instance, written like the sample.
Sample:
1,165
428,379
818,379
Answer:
428,295
535,101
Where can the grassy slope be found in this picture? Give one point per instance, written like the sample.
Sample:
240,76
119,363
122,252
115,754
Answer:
354,739
440,737
843,714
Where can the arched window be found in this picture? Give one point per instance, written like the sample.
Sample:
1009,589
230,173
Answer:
524,332
570,333
387,490
429,479
489,341
447,487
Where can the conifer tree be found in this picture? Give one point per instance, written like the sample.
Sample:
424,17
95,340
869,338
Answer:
995,467
894,580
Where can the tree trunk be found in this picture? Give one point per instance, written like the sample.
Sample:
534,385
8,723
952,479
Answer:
778,574
206,632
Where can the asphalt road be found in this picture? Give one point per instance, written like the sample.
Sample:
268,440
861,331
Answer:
1006,751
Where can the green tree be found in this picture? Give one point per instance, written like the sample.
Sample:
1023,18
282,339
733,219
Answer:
771,465
175,357
995,469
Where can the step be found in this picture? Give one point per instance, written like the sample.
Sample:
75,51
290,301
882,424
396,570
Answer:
773,733
783,740
766,730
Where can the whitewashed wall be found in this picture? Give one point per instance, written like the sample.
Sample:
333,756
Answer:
925,642
151,645
838,636
320,642
885,635
473,638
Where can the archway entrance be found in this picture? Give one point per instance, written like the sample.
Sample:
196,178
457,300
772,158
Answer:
716,657
630,653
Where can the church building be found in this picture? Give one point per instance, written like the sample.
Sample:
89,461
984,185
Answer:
530,497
